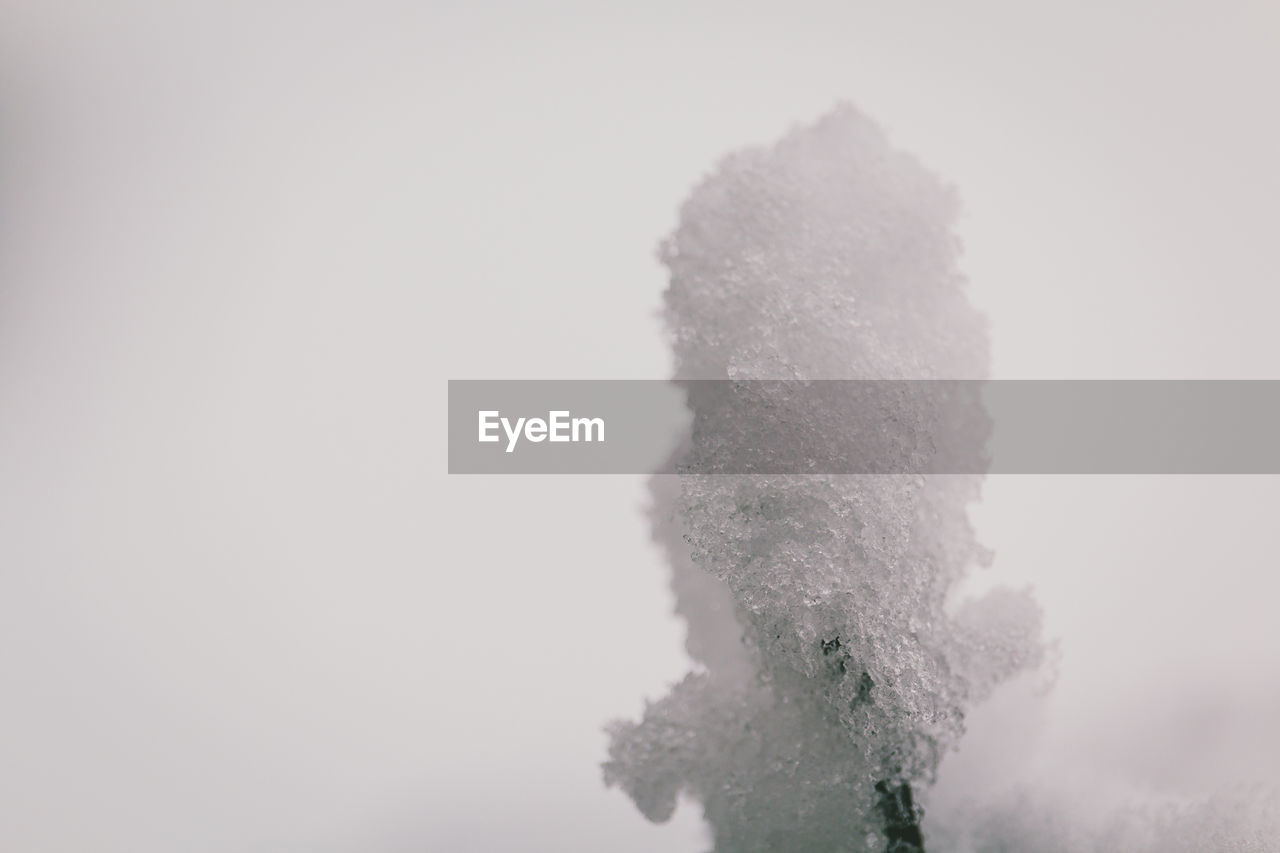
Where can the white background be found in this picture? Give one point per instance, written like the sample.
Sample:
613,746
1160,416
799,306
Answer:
243,245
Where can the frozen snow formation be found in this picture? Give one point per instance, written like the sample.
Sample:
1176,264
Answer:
834,666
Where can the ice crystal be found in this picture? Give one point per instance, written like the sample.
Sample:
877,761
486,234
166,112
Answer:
834,669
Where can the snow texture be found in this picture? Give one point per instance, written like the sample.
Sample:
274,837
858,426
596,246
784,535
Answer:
834,668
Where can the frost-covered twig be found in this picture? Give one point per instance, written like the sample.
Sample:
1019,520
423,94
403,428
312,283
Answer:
833,673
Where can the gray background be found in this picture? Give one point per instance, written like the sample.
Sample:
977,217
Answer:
243,245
